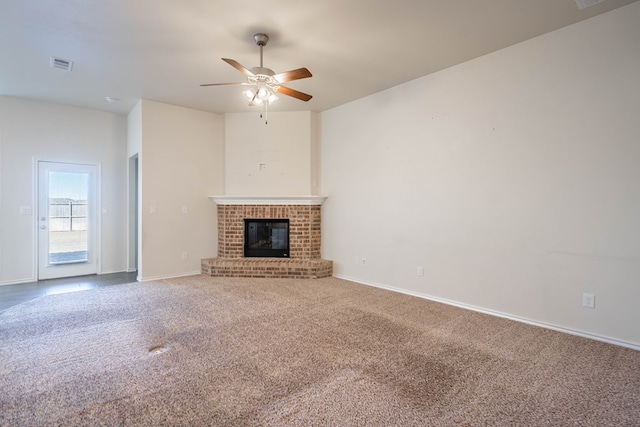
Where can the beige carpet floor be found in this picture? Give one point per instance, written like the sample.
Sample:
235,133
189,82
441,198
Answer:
203,351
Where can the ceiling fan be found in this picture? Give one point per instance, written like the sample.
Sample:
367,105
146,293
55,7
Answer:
264,82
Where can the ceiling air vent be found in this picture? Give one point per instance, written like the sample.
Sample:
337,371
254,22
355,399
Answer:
61,64
586,3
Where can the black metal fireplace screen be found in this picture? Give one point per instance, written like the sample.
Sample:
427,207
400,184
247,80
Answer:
266,238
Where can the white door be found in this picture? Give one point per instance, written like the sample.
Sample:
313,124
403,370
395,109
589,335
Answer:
67,219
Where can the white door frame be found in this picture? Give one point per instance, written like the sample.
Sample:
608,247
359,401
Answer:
133,213
98,211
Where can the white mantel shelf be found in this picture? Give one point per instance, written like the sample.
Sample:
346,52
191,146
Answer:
268,200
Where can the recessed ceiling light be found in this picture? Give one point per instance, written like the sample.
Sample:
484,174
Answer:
111,99
61,64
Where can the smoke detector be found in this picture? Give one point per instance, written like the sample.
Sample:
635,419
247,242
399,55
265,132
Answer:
61,64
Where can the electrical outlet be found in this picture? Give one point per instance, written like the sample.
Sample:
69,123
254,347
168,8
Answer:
364,261
184,256
420,271
589,300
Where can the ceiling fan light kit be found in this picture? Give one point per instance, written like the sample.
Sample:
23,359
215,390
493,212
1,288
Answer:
265,83
260,95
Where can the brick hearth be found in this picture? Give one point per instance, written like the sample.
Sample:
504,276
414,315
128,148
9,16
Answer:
304,214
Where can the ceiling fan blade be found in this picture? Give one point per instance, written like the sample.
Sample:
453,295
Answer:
235,64
287,76
225,84
294,93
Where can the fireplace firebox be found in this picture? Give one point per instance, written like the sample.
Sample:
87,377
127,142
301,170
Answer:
267,238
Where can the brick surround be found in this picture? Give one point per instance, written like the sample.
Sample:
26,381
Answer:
304,240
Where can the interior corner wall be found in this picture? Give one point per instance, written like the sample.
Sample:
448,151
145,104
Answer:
314,161
268,159
512,179
180,165
134,131
34,129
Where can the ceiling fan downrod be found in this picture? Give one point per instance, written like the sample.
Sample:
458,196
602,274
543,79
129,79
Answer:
261,40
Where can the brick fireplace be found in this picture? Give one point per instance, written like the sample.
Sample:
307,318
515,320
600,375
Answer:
304,215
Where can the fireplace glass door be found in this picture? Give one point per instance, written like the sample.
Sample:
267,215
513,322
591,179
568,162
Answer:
266,238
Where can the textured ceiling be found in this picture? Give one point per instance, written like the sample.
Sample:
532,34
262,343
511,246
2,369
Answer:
163,50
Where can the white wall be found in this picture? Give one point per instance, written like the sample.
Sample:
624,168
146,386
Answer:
32,129
134,131
181,164
512,179
278,158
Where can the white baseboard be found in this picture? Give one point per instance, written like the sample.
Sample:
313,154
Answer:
16,282
149,279
496,313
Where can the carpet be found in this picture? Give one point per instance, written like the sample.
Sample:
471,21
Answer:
208,351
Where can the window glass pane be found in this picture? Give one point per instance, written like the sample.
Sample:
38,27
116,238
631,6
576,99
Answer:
68,231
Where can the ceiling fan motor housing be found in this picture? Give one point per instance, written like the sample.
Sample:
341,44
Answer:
262,71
